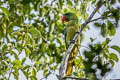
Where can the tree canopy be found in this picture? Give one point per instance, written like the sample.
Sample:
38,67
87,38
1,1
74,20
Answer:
31,37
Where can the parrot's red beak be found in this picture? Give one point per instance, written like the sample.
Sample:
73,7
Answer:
63,18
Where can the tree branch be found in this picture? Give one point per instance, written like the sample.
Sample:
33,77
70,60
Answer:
99,18
65,60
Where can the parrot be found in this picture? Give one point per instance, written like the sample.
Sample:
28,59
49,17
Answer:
71,28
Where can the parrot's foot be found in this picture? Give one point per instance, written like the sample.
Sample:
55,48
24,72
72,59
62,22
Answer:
73,41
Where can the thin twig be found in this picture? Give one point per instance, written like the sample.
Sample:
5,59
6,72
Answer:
85,47
99,18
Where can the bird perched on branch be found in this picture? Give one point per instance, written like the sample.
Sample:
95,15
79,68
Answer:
71,28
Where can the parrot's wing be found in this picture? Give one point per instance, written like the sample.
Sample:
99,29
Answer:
65,33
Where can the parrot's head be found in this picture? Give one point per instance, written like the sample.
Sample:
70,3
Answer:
69,16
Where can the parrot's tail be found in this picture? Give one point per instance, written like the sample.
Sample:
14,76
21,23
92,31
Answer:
71,61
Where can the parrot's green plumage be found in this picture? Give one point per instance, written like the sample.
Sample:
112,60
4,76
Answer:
69,32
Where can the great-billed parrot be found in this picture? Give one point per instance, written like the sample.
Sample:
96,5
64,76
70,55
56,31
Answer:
71,28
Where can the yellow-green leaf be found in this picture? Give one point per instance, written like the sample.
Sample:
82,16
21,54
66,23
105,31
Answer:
14,53
27,51
97,24
119,1
38,62
35,33
5,11
112,1
23,60
33,72
17,64
111,28
114,57
26,67
103,30
117,48
4,47
112,62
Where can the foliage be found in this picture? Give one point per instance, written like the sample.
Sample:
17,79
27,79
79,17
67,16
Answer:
31,30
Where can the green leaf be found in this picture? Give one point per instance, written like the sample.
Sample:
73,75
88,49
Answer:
111,28
60,4
15,69
35,33
105,55
37,5
1,34
38,62
112,1
37,67
45,73
113,57
119,1
53,67
106,13
14,53
1,3
97,24
15,75
5,11
106,42
82,9
17,64
92,39
4,47
33,72
117,48
26,67
69,2
19,47
33,78
112,62
51,27
23,60
4,63
27,51
26,1
103,30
